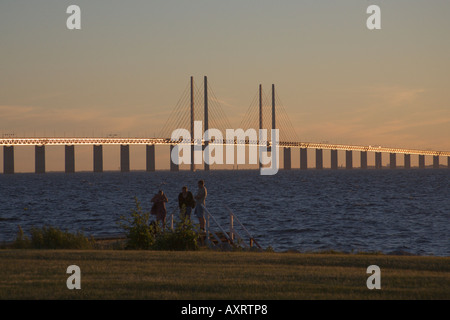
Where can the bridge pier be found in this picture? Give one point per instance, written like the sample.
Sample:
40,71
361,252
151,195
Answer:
393,160
287,158
39,159
69,158
349,159
125,158
8,159
150,157
175,167
407,161
363,159
319,159
192,166
378,160
98,158
334,159
421,161
303,158
435,162
205,156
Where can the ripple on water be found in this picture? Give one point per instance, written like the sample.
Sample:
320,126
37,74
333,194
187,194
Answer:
388,210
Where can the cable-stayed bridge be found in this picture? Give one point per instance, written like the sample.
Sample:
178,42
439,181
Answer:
266,112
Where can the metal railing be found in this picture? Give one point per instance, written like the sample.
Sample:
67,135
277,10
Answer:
235,234
233,237
209,217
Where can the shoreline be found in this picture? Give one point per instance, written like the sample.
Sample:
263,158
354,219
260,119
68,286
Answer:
116,243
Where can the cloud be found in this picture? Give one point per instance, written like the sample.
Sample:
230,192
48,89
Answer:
393,96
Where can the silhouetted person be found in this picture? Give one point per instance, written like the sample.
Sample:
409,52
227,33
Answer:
200,197
159,207
186,202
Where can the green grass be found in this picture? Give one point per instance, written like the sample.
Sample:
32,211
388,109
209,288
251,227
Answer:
122,274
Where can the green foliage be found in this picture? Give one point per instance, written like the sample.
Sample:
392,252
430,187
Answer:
22,241
142,234
138,230
52,238
182,237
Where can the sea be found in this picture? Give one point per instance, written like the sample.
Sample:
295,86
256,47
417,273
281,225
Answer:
387,211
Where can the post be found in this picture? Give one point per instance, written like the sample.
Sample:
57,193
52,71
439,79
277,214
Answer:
349,159
260,117
334,159
124,158
260,108
274,123
39,159
435,162
207,238
8,159
378,160
319,159
273,108
448,162
98,158
407,161
70,159
206,157
287,158
150,157
303,158
363,159
393,160
421,161
231,227
192,124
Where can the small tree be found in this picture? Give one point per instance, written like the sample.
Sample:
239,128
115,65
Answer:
183,237
139,232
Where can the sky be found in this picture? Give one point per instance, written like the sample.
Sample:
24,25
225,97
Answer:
127,67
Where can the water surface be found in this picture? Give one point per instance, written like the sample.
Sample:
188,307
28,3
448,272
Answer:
347,210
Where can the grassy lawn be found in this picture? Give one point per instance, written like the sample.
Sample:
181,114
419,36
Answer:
121,274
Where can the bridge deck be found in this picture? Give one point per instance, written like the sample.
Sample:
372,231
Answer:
162,141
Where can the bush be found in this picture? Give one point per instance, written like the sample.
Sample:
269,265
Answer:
52,238
182,237
140,234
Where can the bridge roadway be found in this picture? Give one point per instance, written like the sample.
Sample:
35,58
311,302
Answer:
150,143
162,141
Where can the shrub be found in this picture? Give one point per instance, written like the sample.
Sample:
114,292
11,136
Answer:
182,237
52,238
138,230
143,234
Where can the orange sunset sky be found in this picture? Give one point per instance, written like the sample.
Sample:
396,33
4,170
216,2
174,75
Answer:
125,70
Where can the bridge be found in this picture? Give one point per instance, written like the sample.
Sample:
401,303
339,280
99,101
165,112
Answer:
211,113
